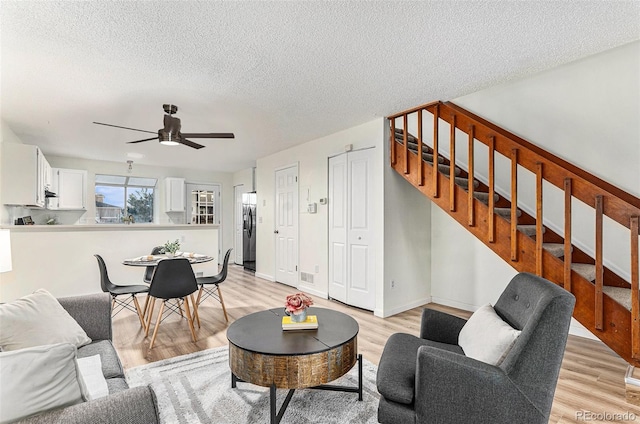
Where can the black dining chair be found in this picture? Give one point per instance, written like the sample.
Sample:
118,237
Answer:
172,279
121,290
210,286
148,271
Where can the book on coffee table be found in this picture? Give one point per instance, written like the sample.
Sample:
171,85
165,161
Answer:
310,323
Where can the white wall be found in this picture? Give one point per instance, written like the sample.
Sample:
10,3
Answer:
6,136
244,178
585,112
312,160
407,244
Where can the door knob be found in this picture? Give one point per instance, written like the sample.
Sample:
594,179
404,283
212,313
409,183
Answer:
276,232
359,238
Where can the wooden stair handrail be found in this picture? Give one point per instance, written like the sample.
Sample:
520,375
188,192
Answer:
619,206
603,197
414,109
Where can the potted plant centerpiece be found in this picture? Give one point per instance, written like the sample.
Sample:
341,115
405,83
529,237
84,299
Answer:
296,306
170,248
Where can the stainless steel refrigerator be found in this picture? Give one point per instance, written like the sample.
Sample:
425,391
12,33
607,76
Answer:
249,219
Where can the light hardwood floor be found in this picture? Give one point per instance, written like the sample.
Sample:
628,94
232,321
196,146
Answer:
591,379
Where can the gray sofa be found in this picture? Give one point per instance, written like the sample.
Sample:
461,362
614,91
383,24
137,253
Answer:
123,405
429,379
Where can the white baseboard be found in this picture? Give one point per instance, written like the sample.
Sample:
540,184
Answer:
265,276
313,291
454,304
405,307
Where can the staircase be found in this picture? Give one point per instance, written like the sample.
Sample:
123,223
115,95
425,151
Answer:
606,303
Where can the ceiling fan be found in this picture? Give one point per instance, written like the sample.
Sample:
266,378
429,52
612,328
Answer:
170,135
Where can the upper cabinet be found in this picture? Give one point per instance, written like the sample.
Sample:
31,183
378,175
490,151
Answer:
24,175
174,194
70,185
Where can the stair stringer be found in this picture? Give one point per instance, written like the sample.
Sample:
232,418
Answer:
616,332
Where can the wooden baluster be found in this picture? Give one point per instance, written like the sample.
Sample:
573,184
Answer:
452,165
599,313
539,219
492,221
567,234
471,203
420,166
393,141
436,121
635,282
406,144
514,204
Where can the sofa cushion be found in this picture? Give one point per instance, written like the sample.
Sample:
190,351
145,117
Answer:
486,337
92,381
111,366
37,379
116,384
38,319
397,368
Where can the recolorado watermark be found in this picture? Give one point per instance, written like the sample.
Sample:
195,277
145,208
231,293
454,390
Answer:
605,416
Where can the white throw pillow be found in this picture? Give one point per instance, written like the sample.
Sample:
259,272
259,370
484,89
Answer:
92,381
486,337
37,379
38,319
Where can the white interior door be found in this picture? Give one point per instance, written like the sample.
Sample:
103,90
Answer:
361,287
338,228
237,222
286,230
351,230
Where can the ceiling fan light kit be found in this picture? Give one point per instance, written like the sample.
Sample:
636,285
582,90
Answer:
170,135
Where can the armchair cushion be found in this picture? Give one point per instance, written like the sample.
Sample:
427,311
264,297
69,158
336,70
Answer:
38,319
486,337
397,369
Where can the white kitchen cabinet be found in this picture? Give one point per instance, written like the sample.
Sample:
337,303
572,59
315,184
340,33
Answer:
71,187
24,175
174,194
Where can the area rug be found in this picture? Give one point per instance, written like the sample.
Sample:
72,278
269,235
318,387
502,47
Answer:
196,388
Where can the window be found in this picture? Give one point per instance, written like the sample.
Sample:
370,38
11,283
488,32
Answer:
120,198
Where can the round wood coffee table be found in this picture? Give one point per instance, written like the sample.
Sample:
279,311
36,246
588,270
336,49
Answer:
261,353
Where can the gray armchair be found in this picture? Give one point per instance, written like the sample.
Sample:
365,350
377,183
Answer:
428,379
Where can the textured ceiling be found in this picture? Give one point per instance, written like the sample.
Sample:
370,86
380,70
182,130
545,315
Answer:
274,73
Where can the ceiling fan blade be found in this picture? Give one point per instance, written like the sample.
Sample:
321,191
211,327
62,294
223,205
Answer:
126,128
191,144
208,135
140,141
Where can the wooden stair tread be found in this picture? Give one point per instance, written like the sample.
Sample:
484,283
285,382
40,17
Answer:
529,229
464,183
556,249
446,169
484,197
588,271
619,294
506,213
428,157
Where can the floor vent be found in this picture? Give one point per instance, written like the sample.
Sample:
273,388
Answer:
307,277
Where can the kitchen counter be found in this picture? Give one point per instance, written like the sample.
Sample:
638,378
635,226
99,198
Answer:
60,258
108,227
